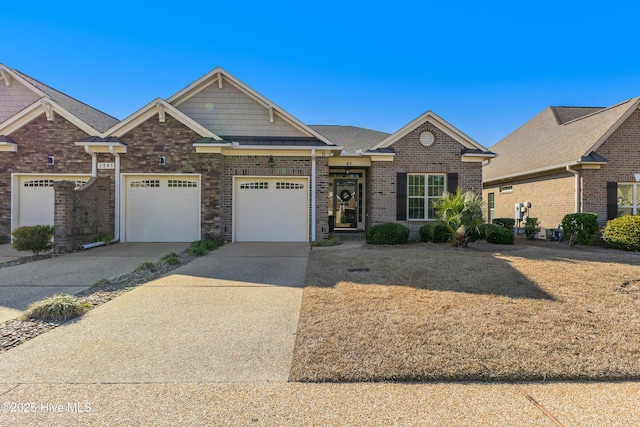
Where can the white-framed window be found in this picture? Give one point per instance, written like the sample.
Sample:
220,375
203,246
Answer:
254,186
423,190
506,189
628,199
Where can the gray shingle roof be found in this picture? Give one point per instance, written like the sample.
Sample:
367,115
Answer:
352,138
551,139
96,119
567,114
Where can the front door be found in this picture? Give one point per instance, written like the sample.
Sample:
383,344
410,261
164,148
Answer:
345,203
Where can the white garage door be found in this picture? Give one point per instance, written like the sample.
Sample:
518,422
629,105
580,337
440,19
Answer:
161,208
271,209
36,197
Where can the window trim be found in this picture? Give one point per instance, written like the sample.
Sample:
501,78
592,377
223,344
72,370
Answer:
427,199
635,197
506,189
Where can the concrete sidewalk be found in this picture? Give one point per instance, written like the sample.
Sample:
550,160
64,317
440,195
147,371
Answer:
24,284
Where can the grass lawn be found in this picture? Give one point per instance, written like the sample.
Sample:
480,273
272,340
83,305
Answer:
531,311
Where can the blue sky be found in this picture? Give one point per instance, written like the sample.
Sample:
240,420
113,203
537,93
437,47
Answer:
486,67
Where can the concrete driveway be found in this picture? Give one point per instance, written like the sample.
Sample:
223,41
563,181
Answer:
230,316
24,284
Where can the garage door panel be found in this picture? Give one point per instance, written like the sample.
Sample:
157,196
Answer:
271,209
162,209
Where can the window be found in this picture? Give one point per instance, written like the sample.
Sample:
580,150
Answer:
289,186
179,183
506,189
423,190
147,183
491,204
628,203
254,186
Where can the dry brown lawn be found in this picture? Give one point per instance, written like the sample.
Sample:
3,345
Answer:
420,312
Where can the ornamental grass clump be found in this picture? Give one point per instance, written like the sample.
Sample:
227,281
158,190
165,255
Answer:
56,308
623,233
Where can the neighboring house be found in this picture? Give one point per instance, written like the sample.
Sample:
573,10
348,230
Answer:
217,159
567,160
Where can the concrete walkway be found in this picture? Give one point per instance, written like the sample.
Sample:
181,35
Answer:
211,344
24,284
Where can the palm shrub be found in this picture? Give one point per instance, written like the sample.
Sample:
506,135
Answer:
580,228
463,215
34,238
531,227
623,233
387,234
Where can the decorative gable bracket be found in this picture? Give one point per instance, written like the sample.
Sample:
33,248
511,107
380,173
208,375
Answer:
48,109
160,108
6,77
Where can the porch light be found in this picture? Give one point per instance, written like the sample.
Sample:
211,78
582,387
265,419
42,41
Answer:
50,161
270,162
162,161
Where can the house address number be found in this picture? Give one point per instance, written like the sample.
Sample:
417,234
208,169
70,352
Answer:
110,165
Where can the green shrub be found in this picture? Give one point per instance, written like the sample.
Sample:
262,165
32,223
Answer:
531,227
579,228
171,259
333,241
507,223
623,233
436,232
387,234
34,238
56,308
197,251
497,234
147,265
105,238
206,244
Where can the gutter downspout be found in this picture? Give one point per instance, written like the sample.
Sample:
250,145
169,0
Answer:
313,195
94,174
94,161
116,220
576,189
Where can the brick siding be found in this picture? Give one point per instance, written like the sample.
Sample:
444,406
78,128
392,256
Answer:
80,216
622,150
551,197
37,140
283,166
174,141
443,157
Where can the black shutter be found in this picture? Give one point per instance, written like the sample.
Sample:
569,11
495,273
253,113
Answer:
401,196
612,200
452,182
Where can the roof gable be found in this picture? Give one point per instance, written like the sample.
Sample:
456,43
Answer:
226,106
546,143
436,121
158,107
94,118
48,107
14,96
